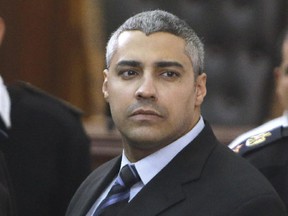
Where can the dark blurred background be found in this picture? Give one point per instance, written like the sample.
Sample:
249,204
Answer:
59,46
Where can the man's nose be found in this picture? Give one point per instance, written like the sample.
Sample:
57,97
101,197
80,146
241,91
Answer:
147,89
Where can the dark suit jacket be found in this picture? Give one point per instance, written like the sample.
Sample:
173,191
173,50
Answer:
204,179
47,152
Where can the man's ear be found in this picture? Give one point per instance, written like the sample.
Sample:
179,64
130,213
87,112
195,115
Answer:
2,29
105,85
201,89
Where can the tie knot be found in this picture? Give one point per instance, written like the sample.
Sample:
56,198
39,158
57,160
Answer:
119,194
129,175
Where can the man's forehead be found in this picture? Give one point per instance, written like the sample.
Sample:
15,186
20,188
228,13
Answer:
128,33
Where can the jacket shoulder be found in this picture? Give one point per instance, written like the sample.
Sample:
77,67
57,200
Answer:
36,92
260,140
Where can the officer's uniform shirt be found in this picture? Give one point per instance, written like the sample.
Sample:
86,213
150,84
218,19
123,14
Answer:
5,104
7,205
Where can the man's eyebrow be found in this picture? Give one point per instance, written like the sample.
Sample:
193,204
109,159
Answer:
129,63
168,64
160,64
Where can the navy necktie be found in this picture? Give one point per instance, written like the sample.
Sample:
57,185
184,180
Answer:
119,194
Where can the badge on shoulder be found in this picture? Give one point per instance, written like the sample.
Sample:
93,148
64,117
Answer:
258,141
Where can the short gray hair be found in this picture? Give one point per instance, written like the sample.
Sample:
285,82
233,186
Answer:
161,21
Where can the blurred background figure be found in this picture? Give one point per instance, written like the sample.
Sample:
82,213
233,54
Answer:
266,146
46,148
7,205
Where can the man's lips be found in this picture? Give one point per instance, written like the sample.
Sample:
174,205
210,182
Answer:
145,112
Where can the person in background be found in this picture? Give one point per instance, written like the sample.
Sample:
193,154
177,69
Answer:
266,146
172,163
46,148
7,205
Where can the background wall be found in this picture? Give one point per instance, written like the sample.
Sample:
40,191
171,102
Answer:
46,44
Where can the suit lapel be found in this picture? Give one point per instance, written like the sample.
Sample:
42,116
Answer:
166,188
94,185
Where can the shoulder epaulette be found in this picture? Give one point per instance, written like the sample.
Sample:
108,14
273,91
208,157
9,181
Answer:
260,140
39,92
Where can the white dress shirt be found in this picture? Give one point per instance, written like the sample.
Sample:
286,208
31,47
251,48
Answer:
151,165
5,104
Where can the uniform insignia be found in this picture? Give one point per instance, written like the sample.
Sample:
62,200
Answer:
237,148
257,139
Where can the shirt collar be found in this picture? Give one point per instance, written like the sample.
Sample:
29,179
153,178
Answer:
151,165
5,104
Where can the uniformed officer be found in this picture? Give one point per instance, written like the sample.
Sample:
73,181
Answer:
266,146
7,207
46,150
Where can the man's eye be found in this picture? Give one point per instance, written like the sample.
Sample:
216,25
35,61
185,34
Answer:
128,73
170,74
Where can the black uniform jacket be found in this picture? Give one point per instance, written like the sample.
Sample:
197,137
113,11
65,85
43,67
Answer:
7,202
268,152
47,151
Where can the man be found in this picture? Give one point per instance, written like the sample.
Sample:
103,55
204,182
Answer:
155,85
7,207
266,146
46,148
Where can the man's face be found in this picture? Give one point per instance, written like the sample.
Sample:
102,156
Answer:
282,84
152,92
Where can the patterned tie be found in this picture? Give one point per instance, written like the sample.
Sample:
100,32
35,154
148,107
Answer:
119,194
